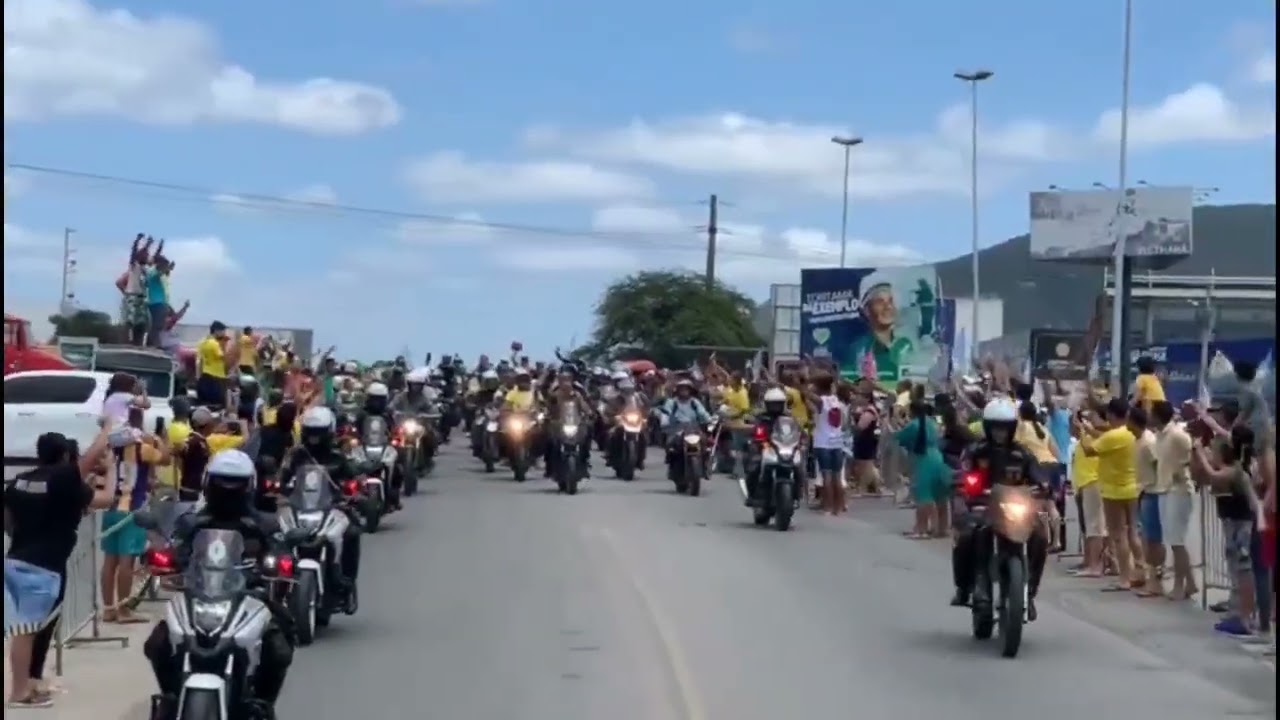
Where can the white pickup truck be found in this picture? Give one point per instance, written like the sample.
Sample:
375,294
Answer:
70,401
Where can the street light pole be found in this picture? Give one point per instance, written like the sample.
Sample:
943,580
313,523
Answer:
973,78
64,304
848,143
1121,296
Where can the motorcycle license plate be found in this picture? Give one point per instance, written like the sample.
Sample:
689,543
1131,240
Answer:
491,426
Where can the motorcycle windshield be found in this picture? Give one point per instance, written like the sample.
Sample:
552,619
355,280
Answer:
375,432
312,490
786,432
215,571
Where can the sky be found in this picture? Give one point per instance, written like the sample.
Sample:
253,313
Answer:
452,175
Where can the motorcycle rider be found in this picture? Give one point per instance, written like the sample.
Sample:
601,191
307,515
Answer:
999,460
773,406
627,397
566,390
683,408
229,482
319,446
417,398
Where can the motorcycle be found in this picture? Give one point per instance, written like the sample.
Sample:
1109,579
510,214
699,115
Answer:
376,453
627,442
216,623
569,470
488,436
450,417
687,464
518,431
407,441
778,474
1010,514
315,524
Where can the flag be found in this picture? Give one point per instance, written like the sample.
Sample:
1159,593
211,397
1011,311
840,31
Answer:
960,353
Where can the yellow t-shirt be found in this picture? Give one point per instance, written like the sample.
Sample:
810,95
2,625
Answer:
975,428
212,360
796,404
518,400
223,441
178,433
268,415
1117,464
248,351
1084,469
738,401
1026,436
1147,390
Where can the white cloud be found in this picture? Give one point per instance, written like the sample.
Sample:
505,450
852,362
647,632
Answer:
1201,113
452,177
558,258
67,57
1263,70
465,229
639,219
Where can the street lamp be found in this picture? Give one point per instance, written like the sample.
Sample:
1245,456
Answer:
1123,293
848,143
973,78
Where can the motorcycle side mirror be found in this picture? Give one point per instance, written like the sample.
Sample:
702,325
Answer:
146,520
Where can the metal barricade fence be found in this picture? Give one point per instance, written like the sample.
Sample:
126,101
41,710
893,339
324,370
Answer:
81,621
1215,573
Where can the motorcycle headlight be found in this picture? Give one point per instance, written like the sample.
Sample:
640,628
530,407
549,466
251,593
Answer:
570,431
1015,511
692,439
310,520
411,427
601,408
208,617
491,426
515,426
541,416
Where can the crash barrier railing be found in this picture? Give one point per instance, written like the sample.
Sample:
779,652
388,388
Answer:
1215,573
80,622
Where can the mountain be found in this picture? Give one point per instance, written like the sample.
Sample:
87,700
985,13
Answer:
1231,240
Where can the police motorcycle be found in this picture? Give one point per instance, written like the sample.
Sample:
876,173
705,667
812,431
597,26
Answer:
569,435
408,440
486,435
1004,514
777,477
315,522
216,623
625,447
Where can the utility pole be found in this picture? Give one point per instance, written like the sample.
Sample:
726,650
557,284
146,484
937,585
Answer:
712,231
68,264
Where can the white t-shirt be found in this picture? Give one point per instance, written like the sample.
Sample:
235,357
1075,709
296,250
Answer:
825,435
116,408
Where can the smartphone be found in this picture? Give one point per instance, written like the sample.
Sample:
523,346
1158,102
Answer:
159,427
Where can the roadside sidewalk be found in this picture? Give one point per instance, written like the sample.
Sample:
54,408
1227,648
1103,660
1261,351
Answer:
100,681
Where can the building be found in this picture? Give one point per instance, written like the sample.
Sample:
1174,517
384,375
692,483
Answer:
1175,308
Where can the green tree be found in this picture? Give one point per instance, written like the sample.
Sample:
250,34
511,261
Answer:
657,311
86,323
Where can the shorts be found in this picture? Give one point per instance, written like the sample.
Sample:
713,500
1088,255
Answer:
1175,517
1091,504
129,540
1237,541
1149,519
30,597
930,480
829,459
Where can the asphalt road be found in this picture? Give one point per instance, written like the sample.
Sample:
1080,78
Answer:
491,600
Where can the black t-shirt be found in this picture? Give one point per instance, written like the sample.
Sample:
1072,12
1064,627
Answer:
1235,506
194,459
46,506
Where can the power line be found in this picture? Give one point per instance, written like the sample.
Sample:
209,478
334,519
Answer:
277,203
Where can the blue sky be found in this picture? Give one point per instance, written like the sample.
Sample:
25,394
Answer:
610,122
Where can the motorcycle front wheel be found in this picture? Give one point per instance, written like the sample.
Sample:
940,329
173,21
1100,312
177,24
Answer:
1015,607
302,606
200,705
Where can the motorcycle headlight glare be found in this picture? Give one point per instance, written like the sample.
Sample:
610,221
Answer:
571,430
692,439
208,617
515,426
1015,511
411,427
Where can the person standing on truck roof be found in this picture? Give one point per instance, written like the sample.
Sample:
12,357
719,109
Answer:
211,367
156,286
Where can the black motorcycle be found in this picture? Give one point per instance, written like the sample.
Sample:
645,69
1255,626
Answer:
569,435
487,438
687,460
775,477
1008,515
627,442
519,436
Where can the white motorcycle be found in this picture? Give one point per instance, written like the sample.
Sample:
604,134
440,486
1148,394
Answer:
314,527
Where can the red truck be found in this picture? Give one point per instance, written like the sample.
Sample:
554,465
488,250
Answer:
20,354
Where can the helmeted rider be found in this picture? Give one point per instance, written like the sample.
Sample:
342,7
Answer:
773,406
566,389
681,409
415,398
628,397
229,482
320,446
998,460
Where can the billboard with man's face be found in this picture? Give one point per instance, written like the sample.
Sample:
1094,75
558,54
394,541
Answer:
881,322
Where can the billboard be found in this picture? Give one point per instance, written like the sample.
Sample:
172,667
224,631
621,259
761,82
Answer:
1082,225
891,316
1179,364
1059,354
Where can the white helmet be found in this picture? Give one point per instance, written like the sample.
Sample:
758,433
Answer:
376,389
775,395
489,374
626,383
1000,410
417,375
620,375
878,283
350,368
232,465
318,418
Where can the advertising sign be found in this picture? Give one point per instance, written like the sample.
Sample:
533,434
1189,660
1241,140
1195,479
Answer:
1059,354
889,316
1083,225
79,351
1178,364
